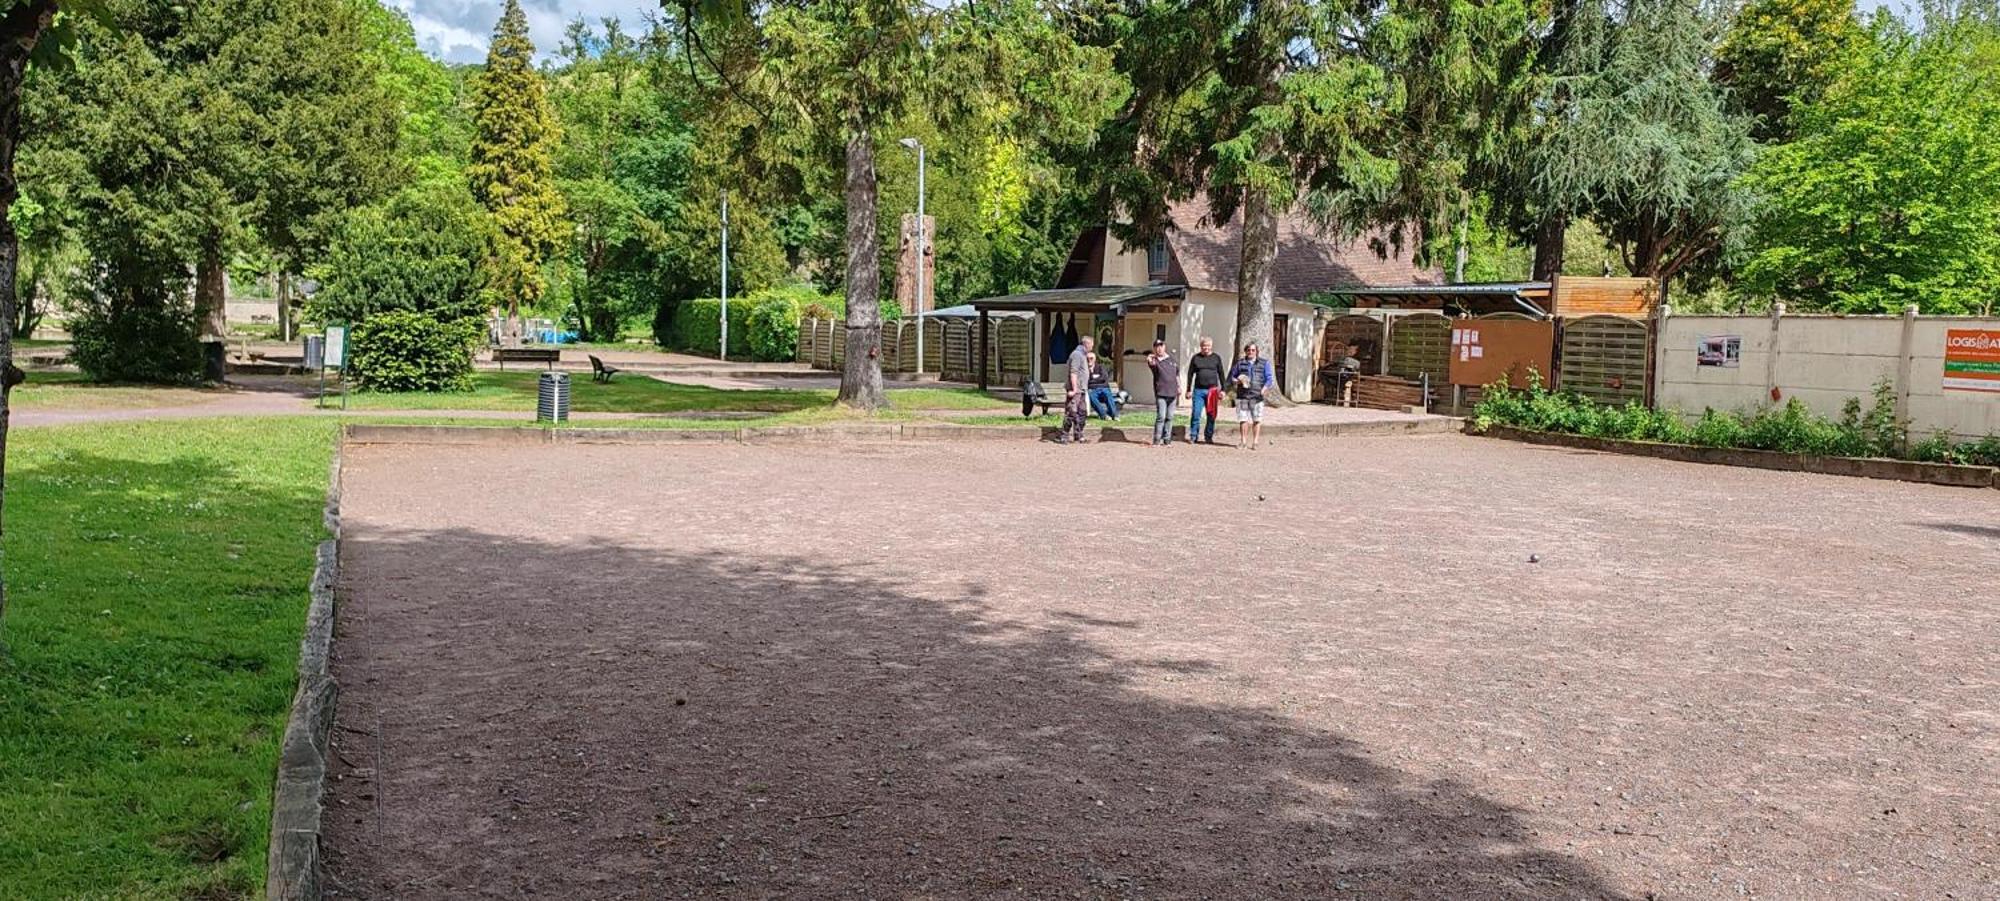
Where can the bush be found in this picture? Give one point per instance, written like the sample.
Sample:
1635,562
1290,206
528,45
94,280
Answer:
136,344
420,250
406,351
763,325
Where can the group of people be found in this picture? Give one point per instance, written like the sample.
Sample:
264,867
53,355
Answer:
1207,377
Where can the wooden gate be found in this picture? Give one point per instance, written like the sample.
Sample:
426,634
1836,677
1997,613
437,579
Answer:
1420,344
1606,358
957,365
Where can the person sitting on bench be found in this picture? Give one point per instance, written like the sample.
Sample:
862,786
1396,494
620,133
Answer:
1103,400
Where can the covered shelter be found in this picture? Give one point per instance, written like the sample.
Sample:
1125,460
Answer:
1102,312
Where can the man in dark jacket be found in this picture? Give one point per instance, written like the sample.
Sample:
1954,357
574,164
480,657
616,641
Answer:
1166,385
1103,400
1207,371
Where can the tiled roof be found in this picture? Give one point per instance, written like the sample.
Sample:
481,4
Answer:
1308,260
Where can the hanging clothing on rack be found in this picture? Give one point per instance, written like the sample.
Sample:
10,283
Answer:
1058,354
1069,337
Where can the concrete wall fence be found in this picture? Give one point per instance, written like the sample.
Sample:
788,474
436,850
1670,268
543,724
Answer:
1823,361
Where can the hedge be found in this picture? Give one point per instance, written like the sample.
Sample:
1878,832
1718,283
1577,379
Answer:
763,325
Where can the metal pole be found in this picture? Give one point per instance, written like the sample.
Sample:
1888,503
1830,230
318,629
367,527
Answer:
725,275
923,242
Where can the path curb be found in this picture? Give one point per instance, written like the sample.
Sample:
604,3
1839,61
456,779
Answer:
1948,474
297,800
363,433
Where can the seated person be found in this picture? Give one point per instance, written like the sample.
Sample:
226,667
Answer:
1103,400
1348,368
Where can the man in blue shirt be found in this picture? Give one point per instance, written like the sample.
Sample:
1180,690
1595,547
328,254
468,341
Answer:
1252,375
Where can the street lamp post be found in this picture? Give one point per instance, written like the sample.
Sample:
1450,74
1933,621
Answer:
923,242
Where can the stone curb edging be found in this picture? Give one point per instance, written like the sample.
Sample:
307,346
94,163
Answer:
293,867
1950,474
363,433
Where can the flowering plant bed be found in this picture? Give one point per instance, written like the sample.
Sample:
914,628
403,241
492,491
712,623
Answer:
1867,467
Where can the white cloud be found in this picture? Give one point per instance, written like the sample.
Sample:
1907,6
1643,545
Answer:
459,30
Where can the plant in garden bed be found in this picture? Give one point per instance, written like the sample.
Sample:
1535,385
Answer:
401,350
1793,428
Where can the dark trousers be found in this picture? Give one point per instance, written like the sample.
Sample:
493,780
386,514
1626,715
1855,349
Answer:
1076,408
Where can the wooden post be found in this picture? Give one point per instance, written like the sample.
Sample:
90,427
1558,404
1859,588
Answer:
1117,353
985,324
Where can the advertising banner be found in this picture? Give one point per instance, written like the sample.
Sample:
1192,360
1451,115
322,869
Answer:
1972,360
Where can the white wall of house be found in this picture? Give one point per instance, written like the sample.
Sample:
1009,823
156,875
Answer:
1123,265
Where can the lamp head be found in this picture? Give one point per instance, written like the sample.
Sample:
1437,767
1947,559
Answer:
910,143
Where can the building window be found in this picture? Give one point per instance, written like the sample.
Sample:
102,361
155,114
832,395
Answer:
1156,259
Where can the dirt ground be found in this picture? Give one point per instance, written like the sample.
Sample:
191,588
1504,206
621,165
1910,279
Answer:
1398,667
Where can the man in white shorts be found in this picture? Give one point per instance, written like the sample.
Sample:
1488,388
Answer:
1252,375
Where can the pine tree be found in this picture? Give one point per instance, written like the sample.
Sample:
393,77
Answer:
513,163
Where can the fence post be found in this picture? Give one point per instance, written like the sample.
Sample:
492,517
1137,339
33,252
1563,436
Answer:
1382,359
1771,358
1905,362
1656,353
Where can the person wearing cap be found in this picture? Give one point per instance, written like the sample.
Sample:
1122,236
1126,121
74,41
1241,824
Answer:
1166,390
1252,376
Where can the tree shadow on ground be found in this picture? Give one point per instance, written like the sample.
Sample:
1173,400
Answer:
1960,528
597,720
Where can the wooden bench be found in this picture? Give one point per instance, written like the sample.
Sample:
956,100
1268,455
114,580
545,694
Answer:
599,372
548,355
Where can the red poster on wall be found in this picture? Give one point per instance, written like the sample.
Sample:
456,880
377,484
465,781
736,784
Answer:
1972,360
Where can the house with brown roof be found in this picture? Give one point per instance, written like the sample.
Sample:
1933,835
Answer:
1182,287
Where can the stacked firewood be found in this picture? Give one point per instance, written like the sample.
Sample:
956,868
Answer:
1387,392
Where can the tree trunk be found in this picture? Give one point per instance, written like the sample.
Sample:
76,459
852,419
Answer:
1549,246
1257,279
861,375
209,312
21,27
284,282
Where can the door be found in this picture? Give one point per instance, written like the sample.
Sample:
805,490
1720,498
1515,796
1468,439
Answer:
1281,347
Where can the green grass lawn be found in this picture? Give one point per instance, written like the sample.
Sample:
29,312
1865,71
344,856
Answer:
45,390
157,584
637,394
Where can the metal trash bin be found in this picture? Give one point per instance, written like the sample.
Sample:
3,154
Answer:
315,352
552,397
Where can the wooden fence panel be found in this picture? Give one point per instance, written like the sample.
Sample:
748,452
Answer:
1605,358
892,345
823,344
934,346
839,339
1420,343
805,347
956,363
1341,331
906,347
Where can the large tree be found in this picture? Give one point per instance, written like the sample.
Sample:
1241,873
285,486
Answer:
1891,193
513,163
1780,52
1366,115
30,33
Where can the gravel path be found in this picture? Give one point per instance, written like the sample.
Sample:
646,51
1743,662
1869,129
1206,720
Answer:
1324,669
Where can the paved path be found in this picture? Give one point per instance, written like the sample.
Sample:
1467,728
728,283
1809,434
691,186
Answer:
1327,669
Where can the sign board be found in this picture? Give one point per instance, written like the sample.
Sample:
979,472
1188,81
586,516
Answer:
1972,360
336,346
1719,350
1484,351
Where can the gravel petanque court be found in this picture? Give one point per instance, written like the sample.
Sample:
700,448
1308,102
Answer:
1324,669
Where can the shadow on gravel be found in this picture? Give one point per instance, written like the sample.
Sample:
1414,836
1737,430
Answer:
669,725
1988,532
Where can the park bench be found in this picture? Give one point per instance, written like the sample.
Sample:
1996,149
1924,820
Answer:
548,355
599,372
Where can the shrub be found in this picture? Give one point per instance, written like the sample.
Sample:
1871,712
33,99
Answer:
136,343
763,325
698,326
1718,429
406,351
420,250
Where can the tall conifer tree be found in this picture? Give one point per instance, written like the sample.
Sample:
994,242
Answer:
513,163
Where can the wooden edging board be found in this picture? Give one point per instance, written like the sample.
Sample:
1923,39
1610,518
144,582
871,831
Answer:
1871,468
293,867
364,433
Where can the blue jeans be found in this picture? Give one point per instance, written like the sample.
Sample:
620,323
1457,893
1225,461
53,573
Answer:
1104,403
1163,426
1194,416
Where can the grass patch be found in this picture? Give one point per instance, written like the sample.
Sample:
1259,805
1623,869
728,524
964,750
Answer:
157,584
71,391
625,394
637,394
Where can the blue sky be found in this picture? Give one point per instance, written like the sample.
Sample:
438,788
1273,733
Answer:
459,30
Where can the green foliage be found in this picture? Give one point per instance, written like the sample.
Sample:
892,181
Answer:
420,251
512,170
697,326
402,350
1781,52
136,343
1793,428
1891,194
157,576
